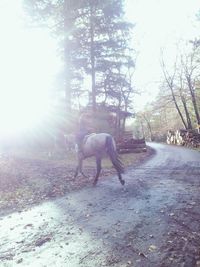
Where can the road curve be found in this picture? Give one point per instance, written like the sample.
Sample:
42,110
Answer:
152,221
174,156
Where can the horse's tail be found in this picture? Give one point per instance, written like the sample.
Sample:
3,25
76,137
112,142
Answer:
112,152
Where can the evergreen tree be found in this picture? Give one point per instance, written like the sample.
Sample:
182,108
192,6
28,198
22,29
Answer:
94,41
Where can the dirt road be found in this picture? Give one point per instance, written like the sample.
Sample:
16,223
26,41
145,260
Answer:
153,221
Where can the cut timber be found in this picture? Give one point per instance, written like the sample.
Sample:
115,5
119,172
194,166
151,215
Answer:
182,137
126,144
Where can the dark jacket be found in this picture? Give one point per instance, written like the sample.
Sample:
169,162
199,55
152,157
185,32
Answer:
83,128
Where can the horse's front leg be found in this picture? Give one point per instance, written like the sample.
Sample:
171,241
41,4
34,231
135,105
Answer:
79,168
98,163
76,171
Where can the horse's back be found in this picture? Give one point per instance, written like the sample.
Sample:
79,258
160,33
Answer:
98,138
96,143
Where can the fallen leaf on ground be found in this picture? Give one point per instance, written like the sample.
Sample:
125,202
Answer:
142,254
152,248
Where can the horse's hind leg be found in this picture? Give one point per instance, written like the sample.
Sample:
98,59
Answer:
98,162
76,171
120,178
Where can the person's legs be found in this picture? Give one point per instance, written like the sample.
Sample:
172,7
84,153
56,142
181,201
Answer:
79,141
79,144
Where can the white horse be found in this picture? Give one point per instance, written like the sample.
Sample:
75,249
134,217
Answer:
99,145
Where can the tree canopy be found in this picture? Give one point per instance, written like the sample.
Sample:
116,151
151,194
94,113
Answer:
95,47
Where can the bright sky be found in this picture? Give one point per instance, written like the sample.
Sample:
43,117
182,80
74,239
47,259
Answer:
159,24
29,62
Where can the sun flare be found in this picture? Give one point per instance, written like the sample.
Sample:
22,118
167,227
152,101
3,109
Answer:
21,112
28,66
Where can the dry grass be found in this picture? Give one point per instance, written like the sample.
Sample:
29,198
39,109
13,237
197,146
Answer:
27,178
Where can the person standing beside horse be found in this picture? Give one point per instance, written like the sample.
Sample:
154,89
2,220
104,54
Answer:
84,128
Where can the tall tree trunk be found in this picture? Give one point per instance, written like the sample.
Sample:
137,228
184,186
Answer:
67,27
149,127
92,57
170,82
118,130
142,127
187,114
177,107
194,102
125,109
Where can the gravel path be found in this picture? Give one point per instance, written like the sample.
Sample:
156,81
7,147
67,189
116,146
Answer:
153,221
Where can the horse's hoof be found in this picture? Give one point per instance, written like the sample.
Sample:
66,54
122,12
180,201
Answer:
122,182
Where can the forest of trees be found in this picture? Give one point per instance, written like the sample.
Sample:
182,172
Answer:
178,103
99,62
95,45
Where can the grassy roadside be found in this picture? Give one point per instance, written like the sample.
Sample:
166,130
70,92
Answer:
27,179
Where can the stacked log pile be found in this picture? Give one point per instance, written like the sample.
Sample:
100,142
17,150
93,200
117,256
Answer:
126,143
171,137
189,138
